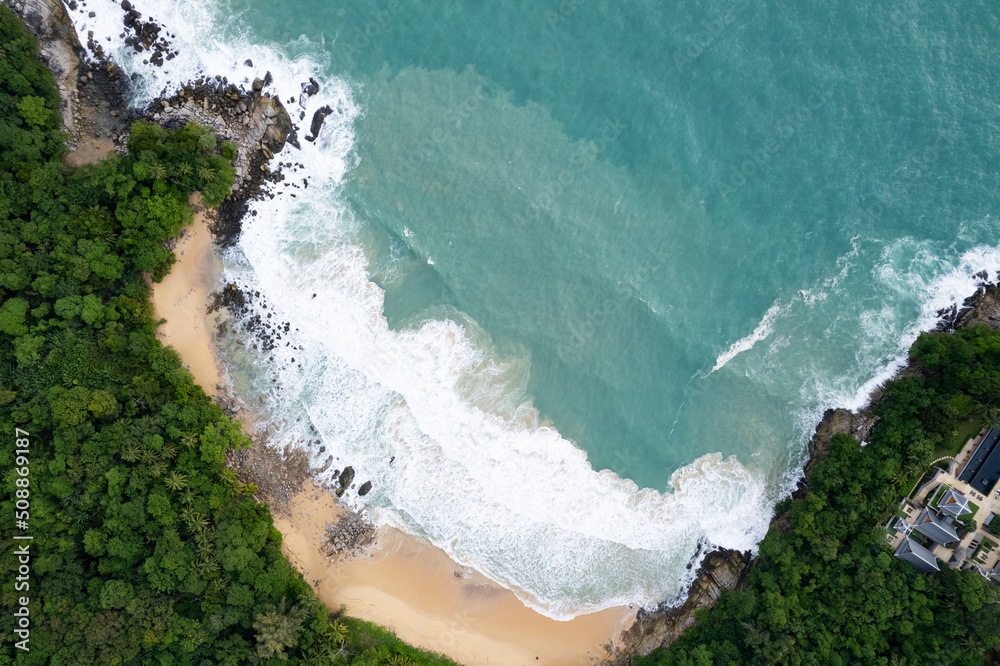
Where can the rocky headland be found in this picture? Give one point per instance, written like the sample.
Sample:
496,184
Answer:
724,569
95,99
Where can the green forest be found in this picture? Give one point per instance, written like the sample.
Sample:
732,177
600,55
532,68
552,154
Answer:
829,591
144,548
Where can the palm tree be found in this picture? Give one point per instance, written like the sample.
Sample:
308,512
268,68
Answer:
194,519
176,481
190,440
188,497
206,174
169,451
131,453
203,538
986,416
320,655
157,171
157,469
97,210
149,456
184,169
248,489
335,632
278,628
217,587
207,565
399,660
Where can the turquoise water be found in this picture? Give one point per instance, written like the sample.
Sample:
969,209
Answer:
604,236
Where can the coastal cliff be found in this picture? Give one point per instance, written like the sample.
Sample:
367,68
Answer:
94,103
720,570
59,48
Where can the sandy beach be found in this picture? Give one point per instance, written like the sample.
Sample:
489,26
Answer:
404,584
181,298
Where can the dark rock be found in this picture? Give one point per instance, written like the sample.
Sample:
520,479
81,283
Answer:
311,88
248,63
365,488
720,570
346,477
317,122
985,309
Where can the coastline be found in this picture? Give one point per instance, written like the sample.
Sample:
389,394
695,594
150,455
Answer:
430,602
723,568
406,585
403,584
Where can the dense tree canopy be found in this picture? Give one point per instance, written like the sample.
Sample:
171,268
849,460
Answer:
143,548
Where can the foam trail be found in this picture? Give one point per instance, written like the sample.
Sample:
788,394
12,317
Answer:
764,328
952,284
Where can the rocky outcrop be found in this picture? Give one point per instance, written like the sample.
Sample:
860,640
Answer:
720,570
346,477
255,121
727,569
983,308
58,47
349,536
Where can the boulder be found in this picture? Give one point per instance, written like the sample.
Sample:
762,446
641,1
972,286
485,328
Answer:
346,477
317,122
365,488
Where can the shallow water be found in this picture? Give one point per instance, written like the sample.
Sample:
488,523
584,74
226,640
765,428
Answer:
548,239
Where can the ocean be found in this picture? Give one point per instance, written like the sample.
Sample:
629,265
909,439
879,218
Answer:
571,282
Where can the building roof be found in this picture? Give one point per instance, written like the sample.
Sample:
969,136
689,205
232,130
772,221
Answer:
902,526
953,503
921,558
983,470
932,525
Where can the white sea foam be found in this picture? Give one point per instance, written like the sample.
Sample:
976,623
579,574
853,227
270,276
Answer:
762,330
951,282
473,470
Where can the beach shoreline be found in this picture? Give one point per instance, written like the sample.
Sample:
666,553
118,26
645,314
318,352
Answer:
402,583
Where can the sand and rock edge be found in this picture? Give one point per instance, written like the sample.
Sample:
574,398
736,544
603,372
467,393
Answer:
95,112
